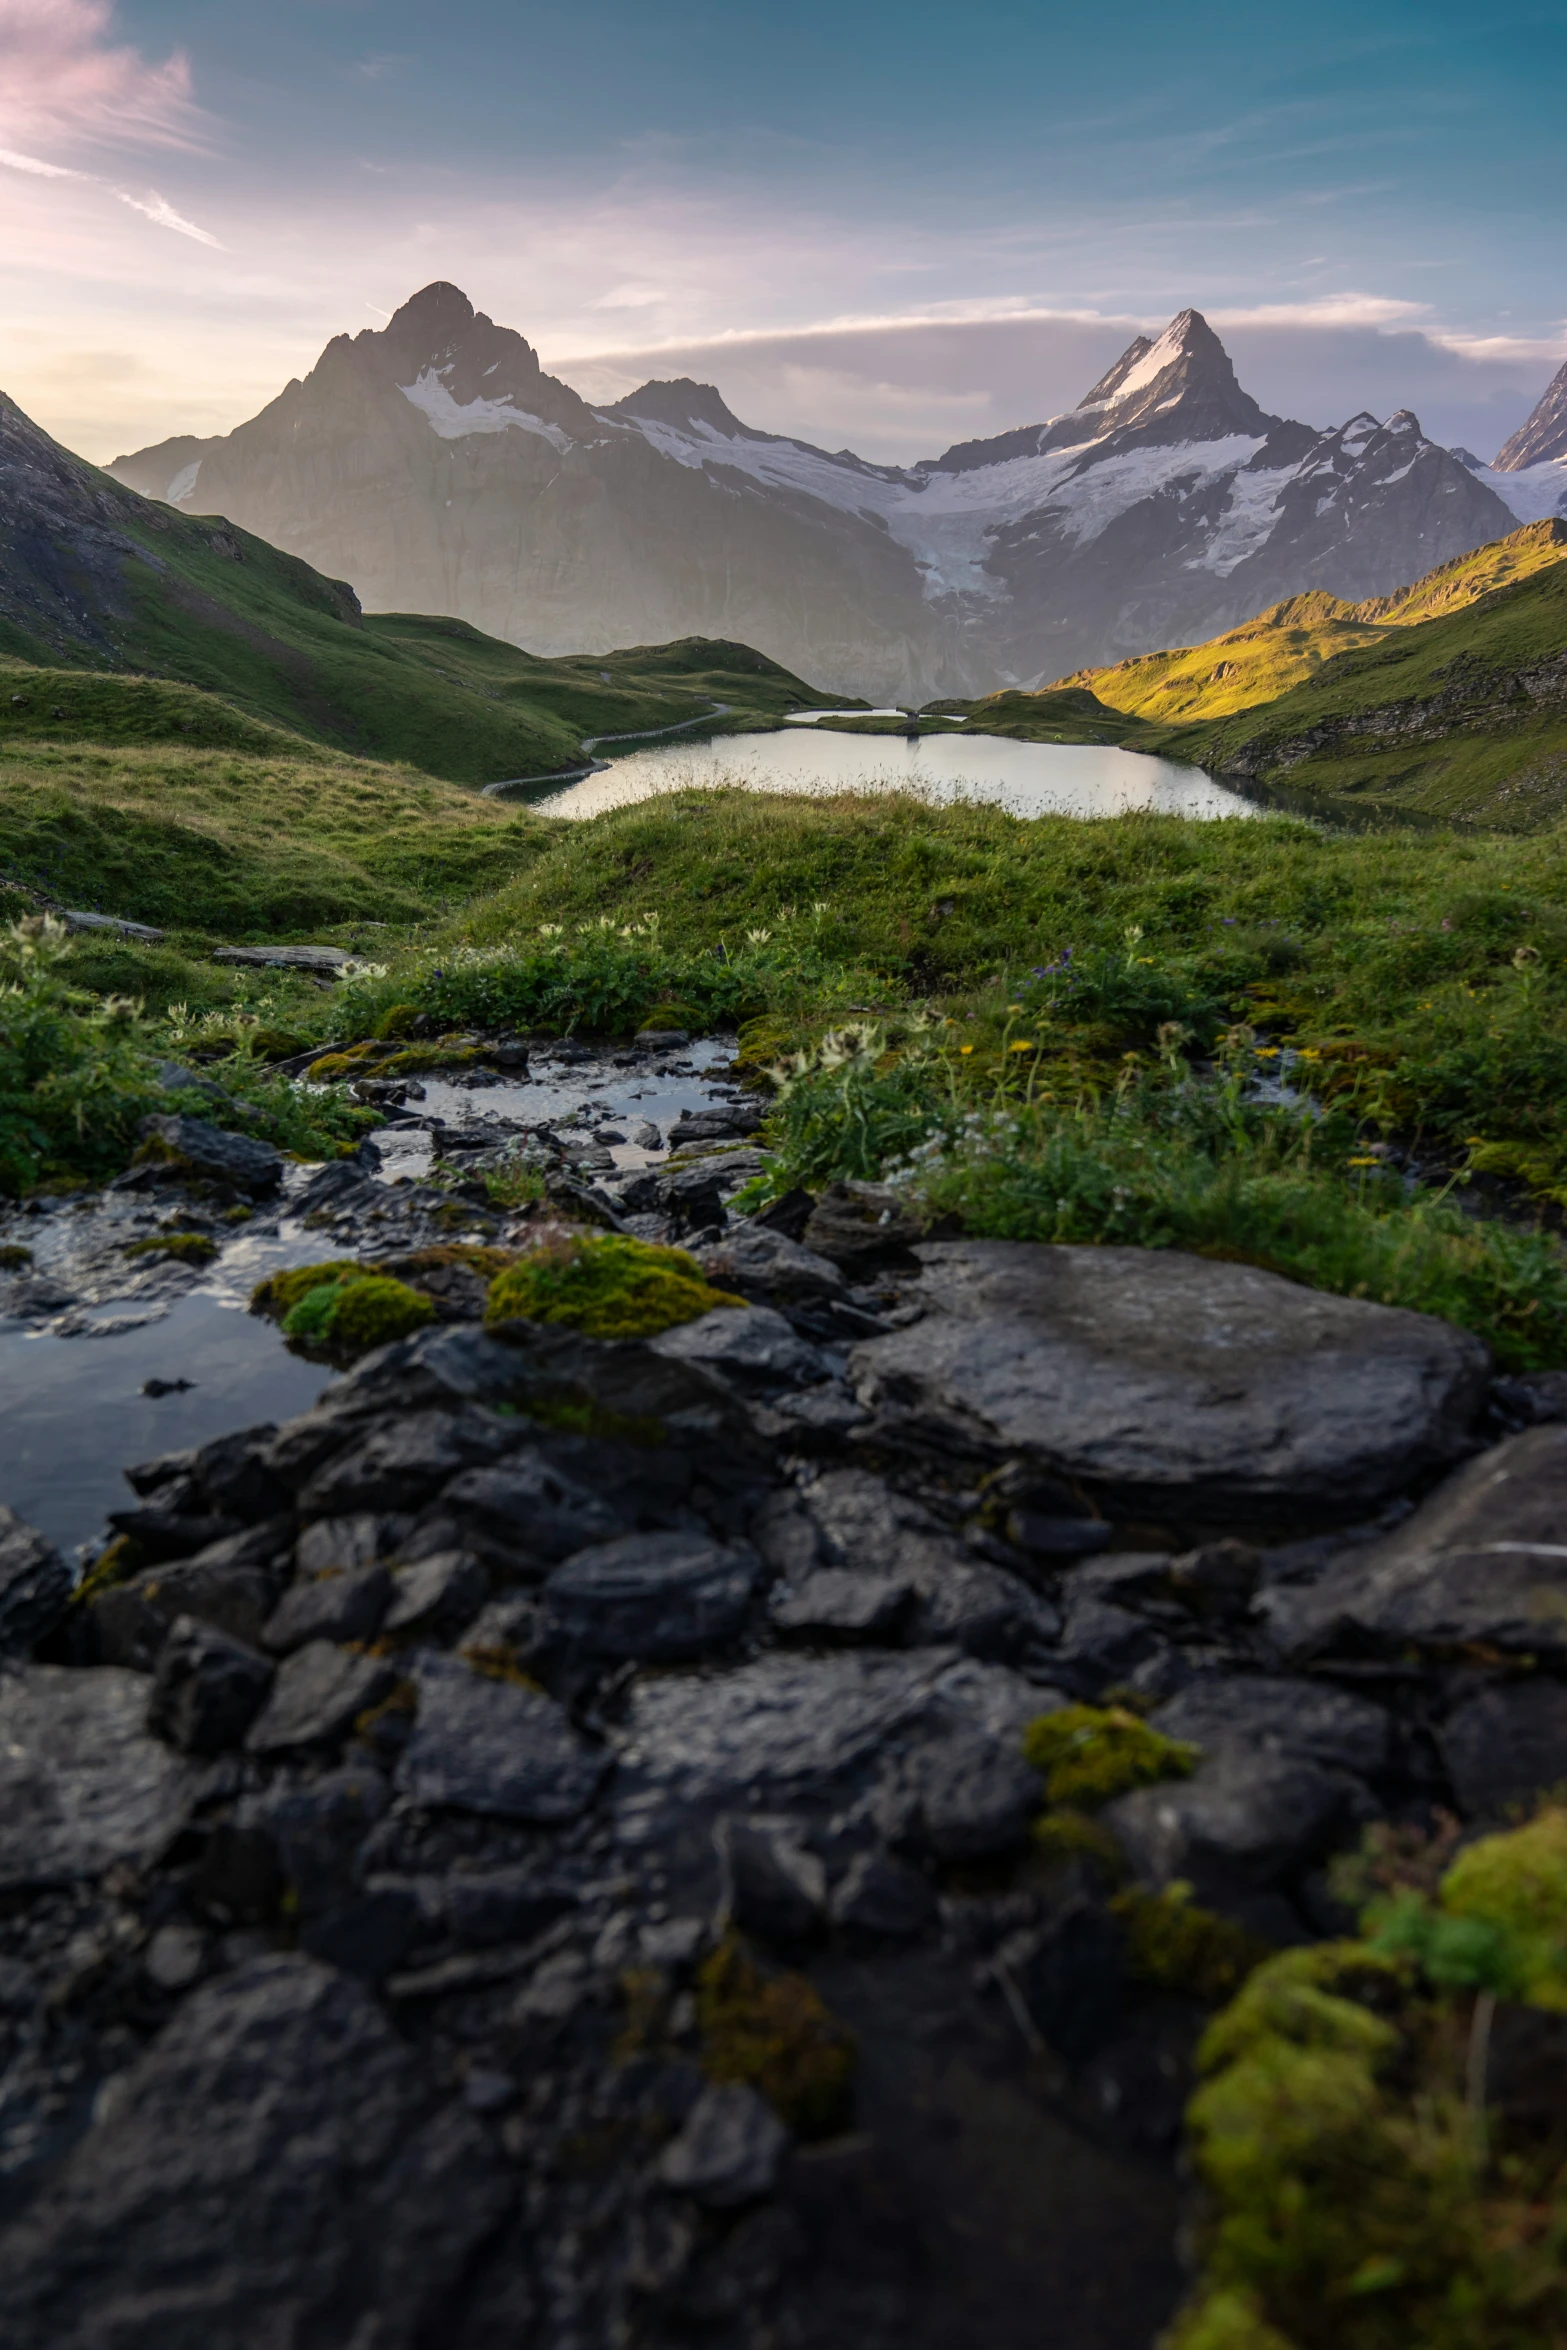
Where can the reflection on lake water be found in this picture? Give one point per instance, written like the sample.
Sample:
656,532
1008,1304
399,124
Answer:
1028,779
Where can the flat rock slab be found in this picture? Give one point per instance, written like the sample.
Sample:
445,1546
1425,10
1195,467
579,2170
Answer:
212,1150
82,1783
330,959
1483,1560
749,1343
271,2173
1172,1383
1275,1715
653,1596
494,1747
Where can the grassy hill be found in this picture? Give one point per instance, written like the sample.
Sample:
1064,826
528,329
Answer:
95,578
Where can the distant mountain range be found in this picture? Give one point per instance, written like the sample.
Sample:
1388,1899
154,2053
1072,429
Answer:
435,465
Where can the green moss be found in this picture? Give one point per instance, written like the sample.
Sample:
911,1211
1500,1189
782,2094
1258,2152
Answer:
1516,1884
281,1292
276,1044
13,1257
1225,2321
1065,1834
1089,1753
610,1288
356,1312
774,2032
397,1020
673,1015
192,1248
117,1560
1175,1946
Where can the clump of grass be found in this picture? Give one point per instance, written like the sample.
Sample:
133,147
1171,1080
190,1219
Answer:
773,2031
1088,1754
610,1287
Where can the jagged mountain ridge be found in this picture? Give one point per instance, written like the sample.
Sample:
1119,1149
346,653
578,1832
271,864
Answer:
436,465
1543,434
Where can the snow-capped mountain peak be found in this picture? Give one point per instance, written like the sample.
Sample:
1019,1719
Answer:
1543,435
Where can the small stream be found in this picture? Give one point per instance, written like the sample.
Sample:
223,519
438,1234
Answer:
84,1329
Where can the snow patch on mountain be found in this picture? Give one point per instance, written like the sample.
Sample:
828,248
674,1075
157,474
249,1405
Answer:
183,483
454,421
1534,493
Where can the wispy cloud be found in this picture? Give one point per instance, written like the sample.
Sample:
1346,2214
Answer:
65,81
159,210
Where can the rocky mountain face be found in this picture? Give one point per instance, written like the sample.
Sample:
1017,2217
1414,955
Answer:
1544,435
438,467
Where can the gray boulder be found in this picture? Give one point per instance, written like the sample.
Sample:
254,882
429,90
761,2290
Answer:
1483,1560
329,1607
319,1694
729,2151
271,2174
1506,1746
653,1596
208,1688
835,1603
207,1150
82,1782
496,1748
883,1899
963,1796
532,1509
232,1584
752,1345
1178,1385
1273,1715
865,1525
437,1595
754,1256
399,1462
35,1585
1245,1819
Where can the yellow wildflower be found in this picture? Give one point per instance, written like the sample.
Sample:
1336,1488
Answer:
1267,1052
1021,1044
1308,1052
1362,1162
965,1048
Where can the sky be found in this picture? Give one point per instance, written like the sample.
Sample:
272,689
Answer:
885,227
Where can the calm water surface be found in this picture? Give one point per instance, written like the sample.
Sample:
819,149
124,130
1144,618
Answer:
1029,779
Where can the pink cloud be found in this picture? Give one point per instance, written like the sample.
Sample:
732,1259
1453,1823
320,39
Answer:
64,82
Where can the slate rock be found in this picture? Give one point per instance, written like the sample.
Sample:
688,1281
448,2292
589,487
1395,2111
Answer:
1174,1383
208,1688
652,1596
317,1831
400,1462
729,2150
329,1607
1506,1746
83,1783
836,1604
754,1256
772,1885
858,1226
231,1158
963,1796
1275,1715
532,1509
35,1585
883,1898
437,1595
319,1694
347,1544
1101,1645
483,1907
1245,1818
272,2172
495,1748
794,1727
1483,1560
753,1345
865,1524
161,1533
233,1585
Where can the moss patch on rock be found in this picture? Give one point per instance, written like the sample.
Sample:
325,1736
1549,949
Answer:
773,2031
357,1312
1089,1754
191,1248
607,1287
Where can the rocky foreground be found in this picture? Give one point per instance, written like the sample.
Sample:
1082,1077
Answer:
540,1852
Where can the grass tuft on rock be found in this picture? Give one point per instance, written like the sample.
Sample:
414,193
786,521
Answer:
609,1287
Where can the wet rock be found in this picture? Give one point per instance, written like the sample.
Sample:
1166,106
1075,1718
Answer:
714,1124
814,1417
1101,1645
752,1345
231,1158
860,1226
532,1510
1506,1745
1179,1385
175,1957
162,1534
158,2234
865,1525
347,1544
316,1832
329,1607
1484,1560
754,1256
652,1596
319,1693
962,1796
883,1898
484,1907
772,1885
438,1595
793,1727
835,1604
495,1748
35,1585
82,1782
1271,1714
1246,1818
400,1462
1218,1579
233,1585
208,1688
729,2151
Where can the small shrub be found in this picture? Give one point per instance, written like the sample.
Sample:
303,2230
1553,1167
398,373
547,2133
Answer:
774,2032
1089,1754
612,1287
